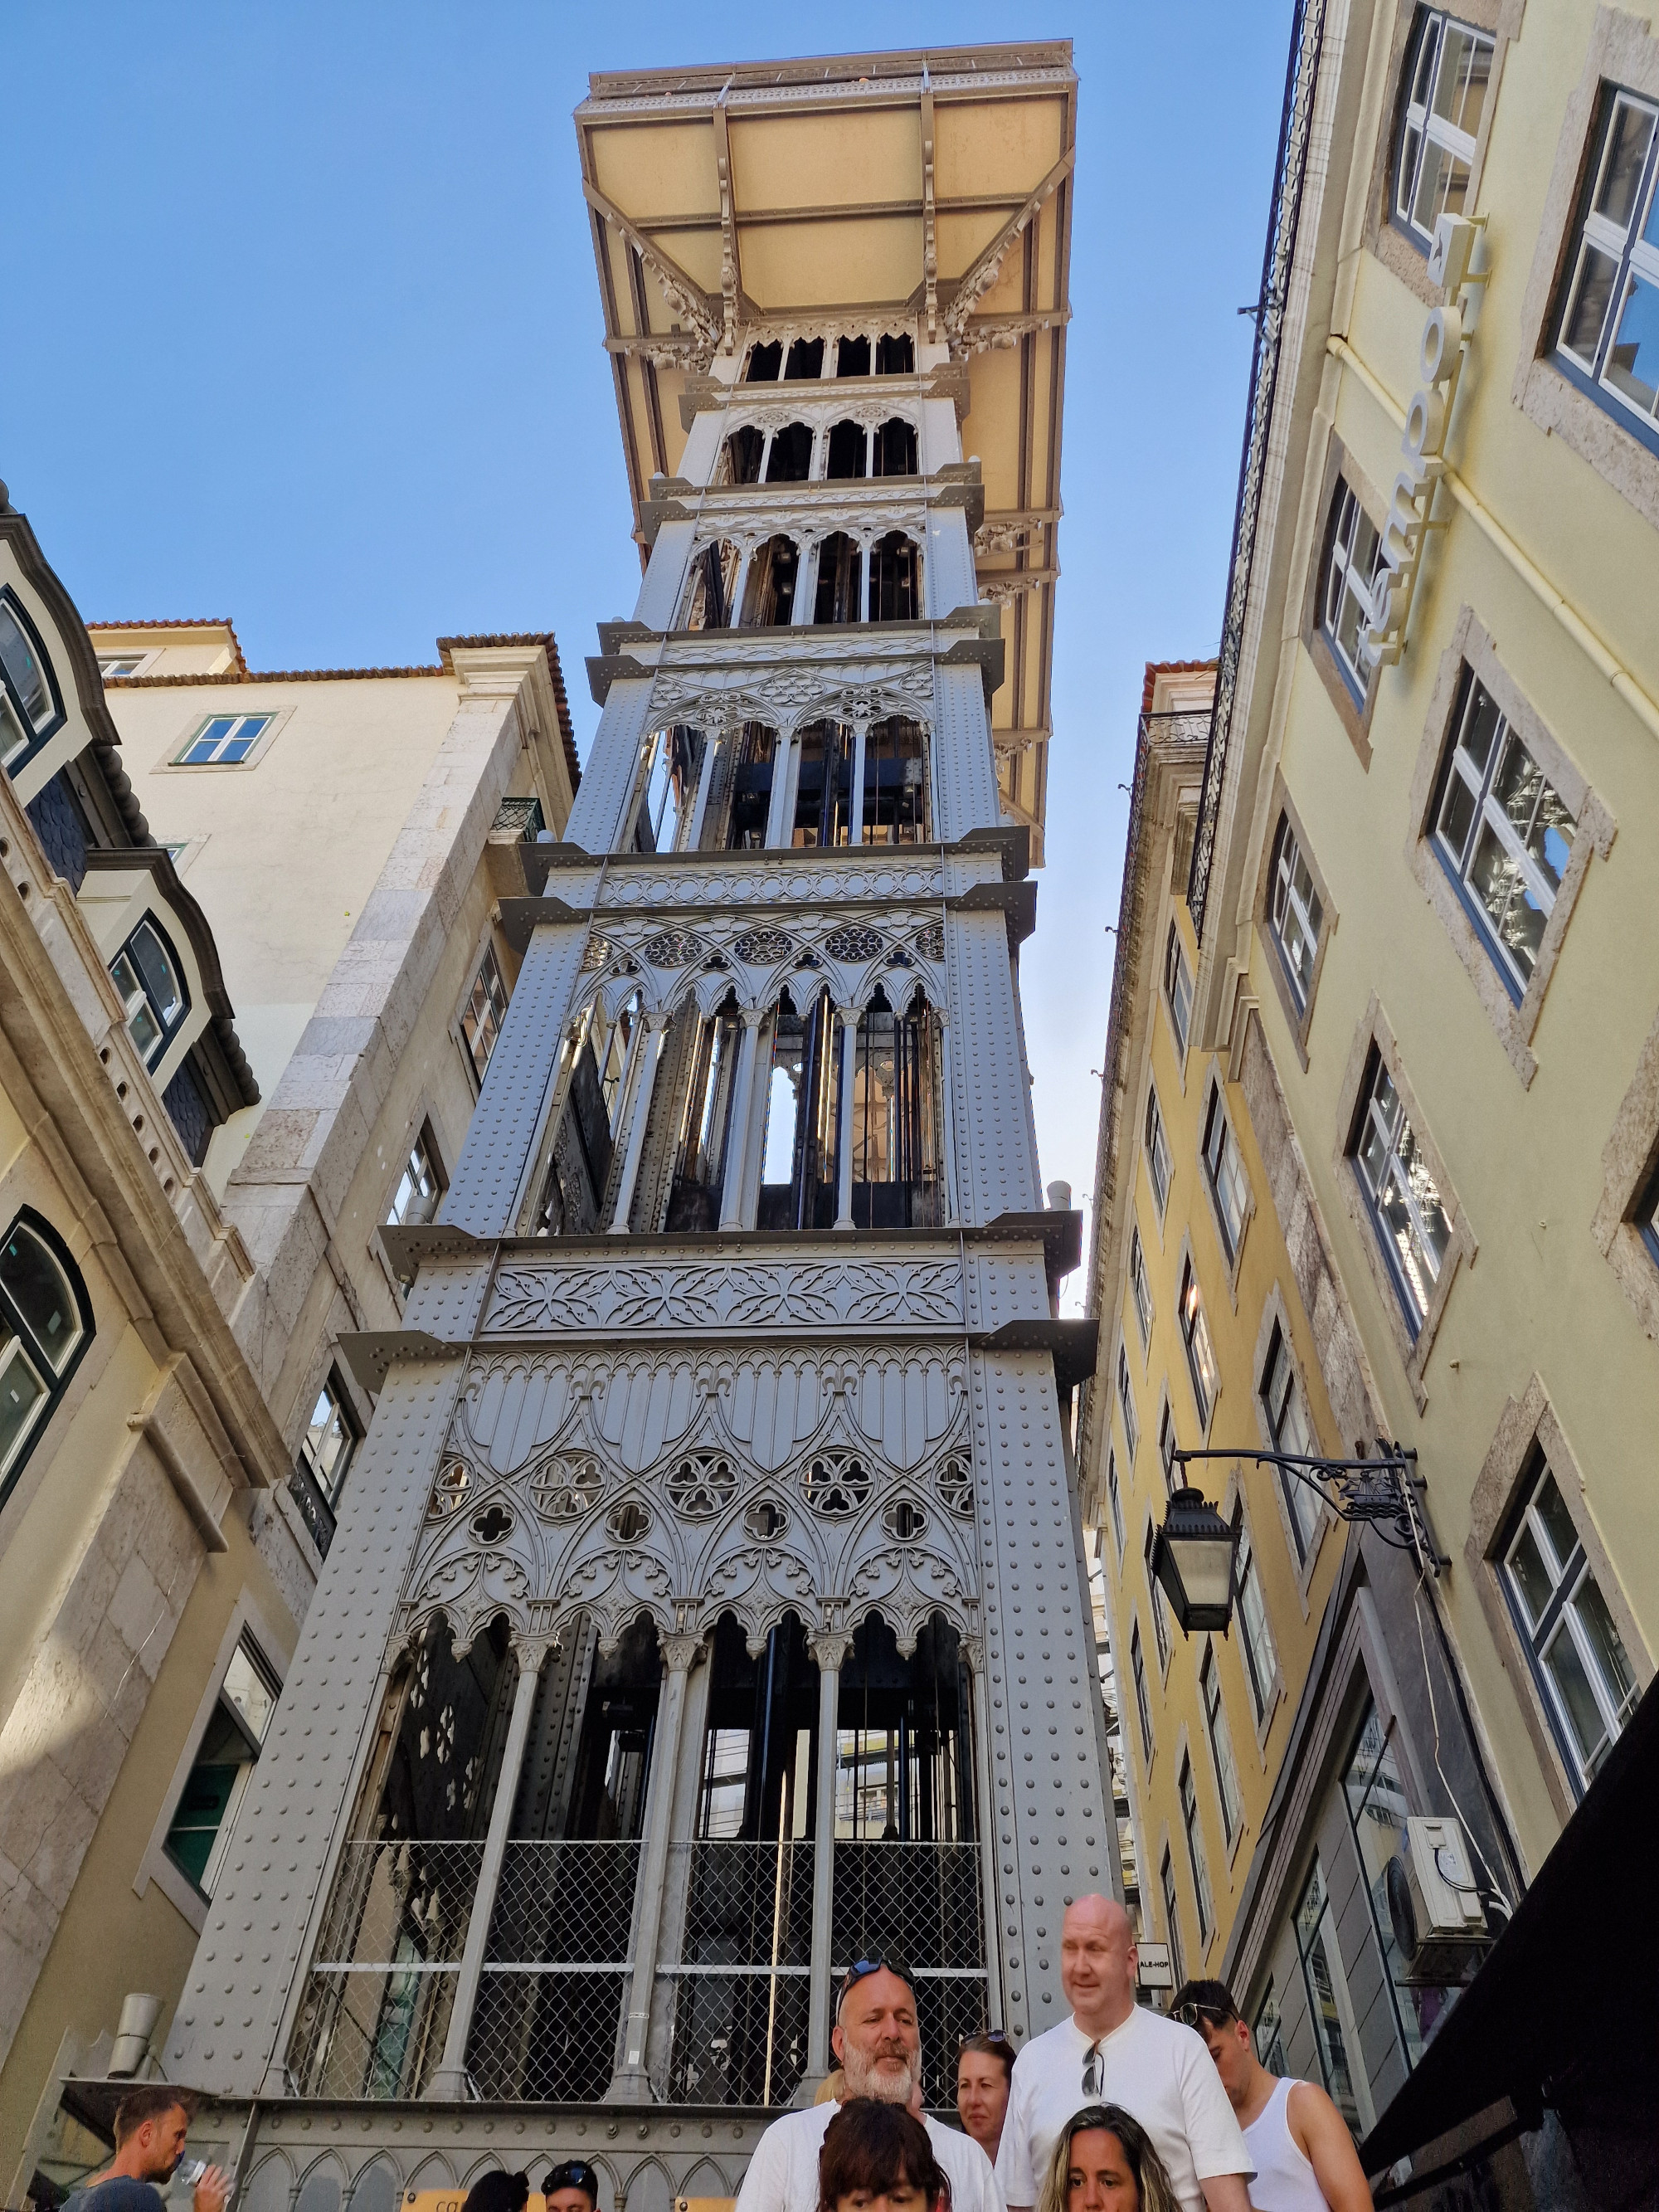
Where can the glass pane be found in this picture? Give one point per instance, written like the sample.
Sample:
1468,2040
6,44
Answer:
251,1695
41,1295
1460,92
22,665
1425,53
21,1391
1481,720
146,1031
1378,1809
161,980
1621,169
1633,357
1456,813
238,749
1516,918
1408,151
1552,1510
1321,1969
1441,187
1576,1698
1534,1583
1607,1649
328,1442
1587,311
202,1809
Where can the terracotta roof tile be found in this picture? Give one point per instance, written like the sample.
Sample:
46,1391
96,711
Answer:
1156,668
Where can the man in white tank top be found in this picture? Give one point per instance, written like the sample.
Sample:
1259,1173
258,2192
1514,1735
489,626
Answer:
1300,2143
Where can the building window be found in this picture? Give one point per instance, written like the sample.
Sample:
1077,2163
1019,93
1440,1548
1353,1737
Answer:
1446,81
1255,1638
1143,1701
1401,1195
419,1186
1576,1652
30,706
222,741
1297,914
1201,1353
1353,556
206,1812
1125,1401
1269,2033
146,973
329,1442
484,1013
1178,987
1377,1810
1225,1166
1141,1288
1502,832
1607,331
1196,1853
1287,1424
120,664
1172,1919
1166,1447
1327,1993
45,1323
1157,1153
1221,1745
1114,1498
1155,1592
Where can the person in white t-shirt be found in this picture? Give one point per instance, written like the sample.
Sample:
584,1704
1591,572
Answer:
1300,2143
1112,2050
879,2044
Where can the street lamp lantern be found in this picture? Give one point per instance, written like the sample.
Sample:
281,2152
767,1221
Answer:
1193,1557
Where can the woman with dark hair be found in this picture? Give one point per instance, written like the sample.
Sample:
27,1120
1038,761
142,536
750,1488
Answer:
876,2158
1105,2162
985,2071
498,2192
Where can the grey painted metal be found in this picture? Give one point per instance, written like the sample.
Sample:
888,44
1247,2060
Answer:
631,2084
830,1651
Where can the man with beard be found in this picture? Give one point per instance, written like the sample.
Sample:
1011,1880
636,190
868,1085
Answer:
151,2124
876,2043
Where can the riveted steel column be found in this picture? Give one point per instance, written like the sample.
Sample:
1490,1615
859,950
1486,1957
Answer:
848,1017
971,1653
631,2085
650,1052
830,1652
734,1172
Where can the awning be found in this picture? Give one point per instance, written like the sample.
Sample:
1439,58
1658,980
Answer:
1566,2006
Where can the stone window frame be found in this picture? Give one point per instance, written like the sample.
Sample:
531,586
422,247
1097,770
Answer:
1530,1425
1230,1844
1144,1728
1623,50
1384,239
1163,1652
1630,1160
1283,811
1340,467
1471,652
1184,1755
1275,1314
1375,1031
423,1116
485,942
246,1621
1213,1094
1184,1258
1166,1412
1236,1500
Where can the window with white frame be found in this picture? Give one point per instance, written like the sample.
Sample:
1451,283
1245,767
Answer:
1401,1195
1157,1153
1141,1289
484,1013
1143,1700
1296,912
1200,1352
1172,1918
1255,1638
329,1442
419,1186
147,974
222,741
30,708
1502,832
1115,1498
1352,558
205,1815
1288,1426
1576,1652
120,664
1178,987
1221,1745
45,1323
1127,1402
1447,78
1160,1610
1195,1858
1607,328
1166,1446
1224,1165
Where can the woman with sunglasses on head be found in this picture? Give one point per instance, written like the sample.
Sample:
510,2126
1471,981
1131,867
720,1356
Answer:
985,2067
1299,2141
878,2158
1105,2162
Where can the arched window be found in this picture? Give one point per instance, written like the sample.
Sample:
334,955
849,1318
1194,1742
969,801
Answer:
895,783
744,449
853,357
670,789
841,569
790,458
700,1161
895,578
45,1324
768,598
764,361
893,449
823,785
709,586
847,443
806,358
895,1107
148,976
798,1165
746,799
30,706
896,356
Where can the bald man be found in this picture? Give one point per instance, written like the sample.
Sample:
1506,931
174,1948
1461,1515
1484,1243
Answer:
1112,2050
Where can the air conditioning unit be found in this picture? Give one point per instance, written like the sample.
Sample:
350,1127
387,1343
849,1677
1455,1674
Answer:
1439,1922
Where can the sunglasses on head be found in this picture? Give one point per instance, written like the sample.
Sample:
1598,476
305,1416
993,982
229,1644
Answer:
987,2035
574,2174
1195,2015
861,1969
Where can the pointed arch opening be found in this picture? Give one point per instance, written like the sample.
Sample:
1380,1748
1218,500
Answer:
704,1145
768,597
823,785
837,597
798,1162
848,445
893,449
897,810
578,1167
896,1138
895,578
790,460
710,586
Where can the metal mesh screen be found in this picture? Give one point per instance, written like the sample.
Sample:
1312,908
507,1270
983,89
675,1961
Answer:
740,2034
749,1905
739,2039
918,1902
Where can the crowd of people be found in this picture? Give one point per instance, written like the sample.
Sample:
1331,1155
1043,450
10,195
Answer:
1117,2109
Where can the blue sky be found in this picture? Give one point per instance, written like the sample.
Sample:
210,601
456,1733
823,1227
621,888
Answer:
303,328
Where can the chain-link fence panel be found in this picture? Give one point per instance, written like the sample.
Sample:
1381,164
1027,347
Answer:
739,2039
748,1904
371,2031
545,2037
948,2008
564,1903
398,1902
918,1903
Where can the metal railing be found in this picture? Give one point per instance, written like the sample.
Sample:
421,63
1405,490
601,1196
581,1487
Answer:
378,1995
555,1966
741,1988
